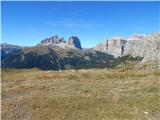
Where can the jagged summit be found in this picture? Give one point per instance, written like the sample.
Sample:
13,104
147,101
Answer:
53,40
73,42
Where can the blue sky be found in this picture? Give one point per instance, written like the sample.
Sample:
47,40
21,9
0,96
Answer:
27,23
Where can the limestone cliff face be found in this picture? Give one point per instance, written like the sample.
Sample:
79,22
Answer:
146,46
114,46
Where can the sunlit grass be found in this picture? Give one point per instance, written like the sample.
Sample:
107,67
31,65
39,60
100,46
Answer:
119,94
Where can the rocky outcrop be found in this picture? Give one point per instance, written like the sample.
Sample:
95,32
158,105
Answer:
114,46
75,42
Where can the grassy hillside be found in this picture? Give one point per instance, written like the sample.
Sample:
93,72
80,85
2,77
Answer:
53,58
119,94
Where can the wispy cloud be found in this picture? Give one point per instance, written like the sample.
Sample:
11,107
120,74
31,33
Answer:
72,23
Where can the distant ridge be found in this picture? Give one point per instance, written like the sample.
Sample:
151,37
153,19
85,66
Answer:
56,53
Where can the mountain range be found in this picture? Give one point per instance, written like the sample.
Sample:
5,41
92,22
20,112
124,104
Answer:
57,53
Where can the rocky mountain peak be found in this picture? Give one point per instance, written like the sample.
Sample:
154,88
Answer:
75,42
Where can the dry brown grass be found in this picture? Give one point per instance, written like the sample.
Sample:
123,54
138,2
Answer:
80,94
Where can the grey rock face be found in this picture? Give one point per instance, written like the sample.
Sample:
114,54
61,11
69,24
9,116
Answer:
114,46
146,46
75,42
